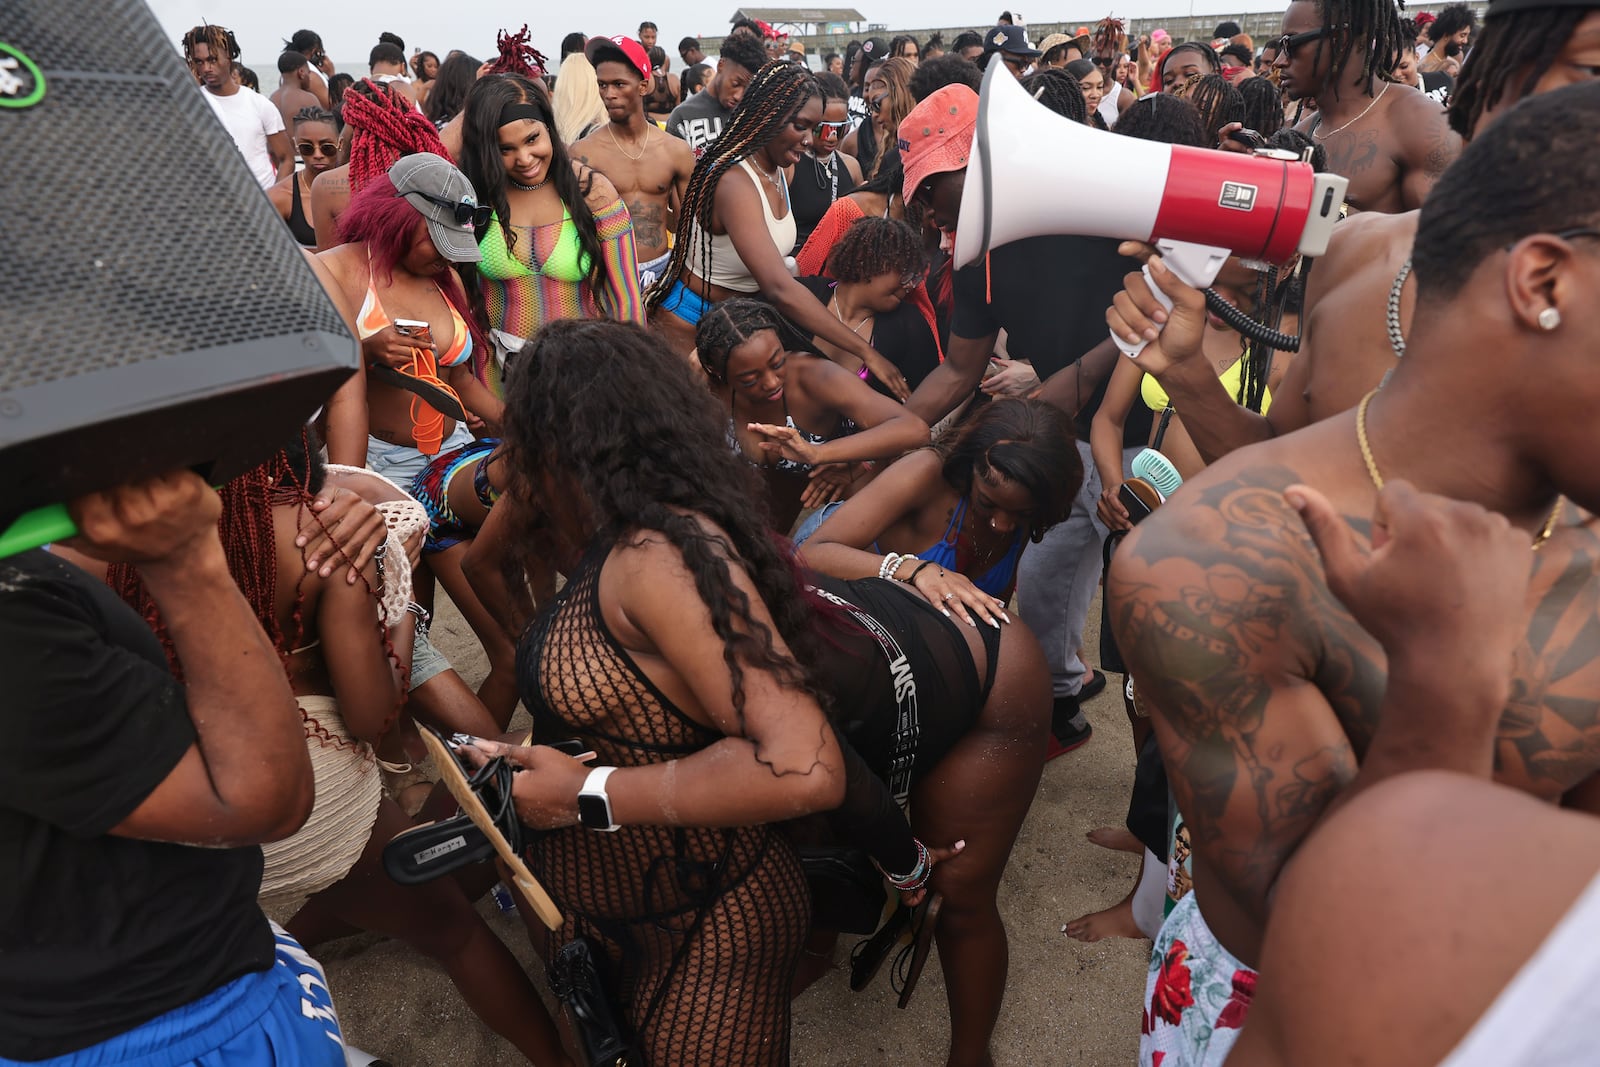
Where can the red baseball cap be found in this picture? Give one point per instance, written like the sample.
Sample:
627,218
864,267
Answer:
937,136
618,49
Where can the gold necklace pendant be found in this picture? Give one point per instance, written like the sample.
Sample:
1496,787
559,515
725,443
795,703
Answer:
1545,532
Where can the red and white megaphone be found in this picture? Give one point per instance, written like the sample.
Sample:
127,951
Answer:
1035,172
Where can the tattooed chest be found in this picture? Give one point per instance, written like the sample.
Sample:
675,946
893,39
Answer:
1549,735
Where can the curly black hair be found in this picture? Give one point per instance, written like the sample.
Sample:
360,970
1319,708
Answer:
745,51
952,68
1453,18
609,407
1510,44
1028,442
877,245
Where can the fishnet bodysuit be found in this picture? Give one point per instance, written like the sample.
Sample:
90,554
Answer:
702,927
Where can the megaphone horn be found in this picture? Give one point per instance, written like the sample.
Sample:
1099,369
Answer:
1036,172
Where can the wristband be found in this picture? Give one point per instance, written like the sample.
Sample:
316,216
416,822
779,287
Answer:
913,579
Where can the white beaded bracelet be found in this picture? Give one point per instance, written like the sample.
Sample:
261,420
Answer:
890,564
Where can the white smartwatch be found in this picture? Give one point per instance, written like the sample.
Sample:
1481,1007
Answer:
594,806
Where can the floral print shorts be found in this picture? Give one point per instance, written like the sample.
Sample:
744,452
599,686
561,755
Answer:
1196,996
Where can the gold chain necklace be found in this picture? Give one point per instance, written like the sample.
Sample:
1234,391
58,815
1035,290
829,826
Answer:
1539,538
1316,131
644,144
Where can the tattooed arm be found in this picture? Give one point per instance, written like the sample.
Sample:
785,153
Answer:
1219,609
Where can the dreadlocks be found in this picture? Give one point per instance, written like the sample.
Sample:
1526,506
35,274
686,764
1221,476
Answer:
1369,26
777,93
1263,106
385,127
1525,43
1218,102
517,56
217,39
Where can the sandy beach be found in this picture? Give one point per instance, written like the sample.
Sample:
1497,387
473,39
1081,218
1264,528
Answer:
1066,1003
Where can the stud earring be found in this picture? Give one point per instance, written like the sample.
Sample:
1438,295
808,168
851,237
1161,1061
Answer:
1549,319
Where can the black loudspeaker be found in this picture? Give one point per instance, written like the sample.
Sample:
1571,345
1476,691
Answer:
155,313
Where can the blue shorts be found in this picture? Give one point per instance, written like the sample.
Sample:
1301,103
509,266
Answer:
283,1015
402,463
685,303
427,663
814,522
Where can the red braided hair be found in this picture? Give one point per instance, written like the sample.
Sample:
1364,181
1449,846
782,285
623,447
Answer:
250,543
517,56
385,127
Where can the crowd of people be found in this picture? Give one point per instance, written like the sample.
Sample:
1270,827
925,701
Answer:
785,532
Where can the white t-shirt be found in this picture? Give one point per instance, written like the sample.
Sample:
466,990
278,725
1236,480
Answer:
250,119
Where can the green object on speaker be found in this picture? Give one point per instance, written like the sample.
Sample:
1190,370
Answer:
41,526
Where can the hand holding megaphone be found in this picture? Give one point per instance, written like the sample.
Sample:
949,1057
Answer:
1158,311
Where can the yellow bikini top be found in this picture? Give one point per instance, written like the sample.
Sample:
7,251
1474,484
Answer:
567,262
1156,397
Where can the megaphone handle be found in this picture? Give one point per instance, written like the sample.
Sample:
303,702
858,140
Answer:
41,526
1195,265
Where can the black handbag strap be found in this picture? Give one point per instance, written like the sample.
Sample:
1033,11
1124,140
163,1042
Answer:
1161,427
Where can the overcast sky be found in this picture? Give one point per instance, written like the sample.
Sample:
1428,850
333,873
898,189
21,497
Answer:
349,30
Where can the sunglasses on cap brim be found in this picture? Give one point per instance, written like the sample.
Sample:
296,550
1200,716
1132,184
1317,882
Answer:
467,211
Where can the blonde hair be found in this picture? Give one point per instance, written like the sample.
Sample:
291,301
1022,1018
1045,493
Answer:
576,100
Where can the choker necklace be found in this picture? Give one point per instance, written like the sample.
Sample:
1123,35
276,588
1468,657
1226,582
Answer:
1539,538
1316,131
528,188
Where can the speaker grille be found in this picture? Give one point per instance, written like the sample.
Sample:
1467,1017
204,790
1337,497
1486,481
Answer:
94,272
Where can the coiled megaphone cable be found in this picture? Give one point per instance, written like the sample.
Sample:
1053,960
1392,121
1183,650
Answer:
1256,331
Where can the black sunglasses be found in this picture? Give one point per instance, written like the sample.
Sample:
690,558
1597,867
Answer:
466,211
1287,44
309,148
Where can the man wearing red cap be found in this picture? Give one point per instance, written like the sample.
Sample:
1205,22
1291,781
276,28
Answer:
649,168
1048,293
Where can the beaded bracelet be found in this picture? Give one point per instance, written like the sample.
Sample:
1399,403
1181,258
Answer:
890,564
424,618
918,877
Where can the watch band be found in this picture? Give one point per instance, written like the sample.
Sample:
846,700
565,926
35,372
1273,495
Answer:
594,805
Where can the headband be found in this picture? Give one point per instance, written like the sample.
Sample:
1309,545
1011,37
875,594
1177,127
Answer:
512,112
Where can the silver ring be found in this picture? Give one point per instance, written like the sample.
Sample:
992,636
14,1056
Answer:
949,596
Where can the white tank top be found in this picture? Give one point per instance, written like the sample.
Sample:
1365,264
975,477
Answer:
727,269
1549,1016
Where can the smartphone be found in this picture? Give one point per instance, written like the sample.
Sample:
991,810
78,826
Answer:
574,748
410,327
1139,498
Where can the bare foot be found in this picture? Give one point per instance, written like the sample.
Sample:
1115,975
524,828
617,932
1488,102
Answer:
1115,921
1116,838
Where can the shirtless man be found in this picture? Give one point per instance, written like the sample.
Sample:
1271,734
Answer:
294,87
1265,694
1345,346
649,168
1392,145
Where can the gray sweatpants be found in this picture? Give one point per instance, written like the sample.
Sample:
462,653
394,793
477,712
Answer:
1057,577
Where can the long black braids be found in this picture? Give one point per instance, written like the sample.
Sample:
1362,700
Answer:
1521,42
730,324
1218,102
1370,26
1059,91
607,406
776,94
1263,106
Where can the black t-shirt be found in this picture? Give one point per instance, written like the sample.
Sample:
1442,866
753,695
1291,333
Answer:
99,934
903,337
1050,295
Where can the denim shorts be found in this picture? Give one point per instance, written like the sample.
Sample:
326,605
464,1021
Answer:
402,463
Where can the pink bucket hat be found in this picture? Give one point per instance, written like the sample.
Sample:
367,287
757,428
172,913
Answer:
937,136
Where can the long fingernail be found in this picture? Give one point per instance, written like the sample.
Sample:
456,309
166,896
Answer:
971,623
1006,617
994,622
946,612
962,843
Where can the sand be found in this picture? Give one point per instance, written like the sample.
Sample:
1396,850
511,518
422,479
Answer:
1066,1003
